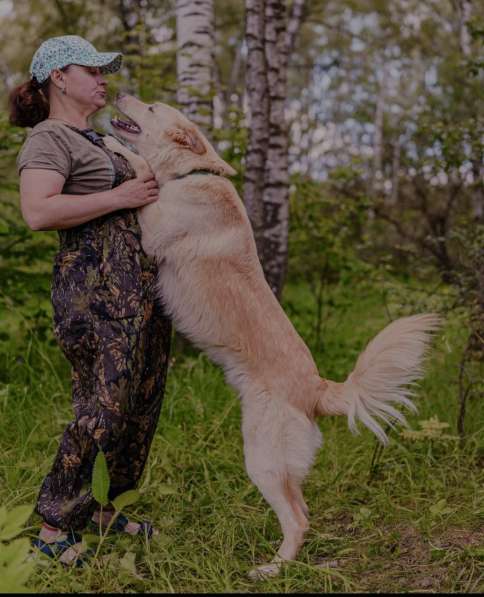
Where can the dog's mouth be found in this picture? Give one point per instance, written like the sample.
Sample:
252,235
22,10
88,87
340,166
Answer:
128,125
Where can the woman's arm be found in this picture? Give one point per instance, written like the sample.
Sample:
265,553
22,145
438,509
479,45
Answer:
45,208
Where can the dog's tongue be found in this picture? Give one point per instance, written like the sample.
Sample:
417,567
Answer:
129,126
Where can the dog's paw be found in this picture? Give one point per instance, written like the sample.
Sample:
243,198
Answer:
113,144
265,571
139,164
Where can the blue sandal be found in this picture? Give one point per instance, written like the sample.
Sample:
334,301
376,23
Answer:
146,529
55,549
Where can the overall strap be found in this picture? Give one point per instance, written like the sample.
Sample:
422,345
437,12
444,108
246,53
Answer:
122,168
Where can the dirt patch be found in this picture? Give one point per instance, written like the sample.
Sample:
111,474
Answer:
404,560
460,538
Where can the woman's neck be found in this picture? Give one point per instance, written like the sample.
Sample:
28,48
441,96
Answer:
72,117
77,122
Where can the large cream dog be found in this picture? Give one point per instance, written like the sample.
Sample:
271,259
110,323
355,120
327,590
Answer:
212,284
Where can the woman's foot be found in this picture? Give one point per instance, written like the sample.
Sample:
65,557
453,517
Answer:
66,547
124,525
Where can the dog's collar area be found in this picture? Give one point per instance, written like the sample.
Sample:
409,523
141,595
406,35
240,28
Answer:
197,172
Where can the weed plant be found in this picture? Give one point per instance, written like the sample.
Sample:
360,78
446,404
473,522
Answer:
409,517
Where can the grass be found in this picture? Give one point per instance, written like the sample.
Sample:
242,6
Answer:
413,521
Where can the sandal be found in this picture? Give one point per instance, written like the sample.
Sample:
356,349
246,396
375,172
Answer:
145,528
59,550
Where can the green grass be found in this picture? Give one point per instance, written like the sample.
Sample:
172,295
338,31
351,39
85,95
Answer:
415,521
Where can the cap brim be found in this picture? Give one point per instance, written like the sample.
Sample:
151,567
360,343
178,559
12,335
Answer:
108,62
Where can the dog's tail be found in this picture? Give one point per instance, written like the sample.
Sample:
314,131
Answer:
390,363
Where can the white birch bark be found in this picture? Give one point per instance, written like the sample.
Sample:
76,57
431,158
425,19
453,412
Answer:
195,59
258,103
269,35
275,197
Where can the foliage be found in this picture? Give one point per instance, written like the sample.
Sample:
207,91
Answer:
100,491
324,238
365,247
431,429
25,257
101,484
214,525
15,569
100,479
231,141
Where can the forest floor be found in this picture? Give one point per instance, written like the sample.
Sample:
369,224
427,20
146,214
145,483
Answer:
406,518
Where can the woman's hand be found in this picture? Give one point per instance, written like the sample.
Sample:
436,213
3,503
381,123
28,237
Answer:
44,207
137,192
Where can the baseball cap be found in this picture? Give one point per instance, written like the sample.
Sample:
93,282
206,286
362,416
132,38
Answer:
58,52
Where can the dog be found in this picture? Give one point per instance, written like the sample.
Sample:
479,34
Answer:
212,285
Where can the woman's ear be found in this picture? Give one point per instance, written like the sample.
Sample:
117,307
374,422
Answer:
188,138
57,78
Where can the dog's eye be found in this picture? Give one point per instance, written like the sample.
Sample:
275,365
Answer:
151,109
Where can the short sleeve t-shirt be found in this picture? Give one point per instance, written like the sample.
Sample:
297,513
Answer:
52,145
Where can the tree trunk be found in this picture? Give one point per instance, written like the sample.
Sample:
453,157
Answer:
275,197
195,60
195,74
266,185
257,88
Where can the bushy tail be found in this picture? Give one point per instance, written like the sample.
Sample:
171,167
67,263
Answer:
383,375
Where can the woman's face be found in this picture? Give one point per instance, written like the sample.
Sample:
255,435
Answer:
84,85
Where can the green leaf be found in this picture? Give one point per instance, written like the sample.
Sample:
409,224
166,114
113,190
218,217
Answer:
127,562
440,508
14,570
14,553
166,489
90,538
125,499
14,522
100,479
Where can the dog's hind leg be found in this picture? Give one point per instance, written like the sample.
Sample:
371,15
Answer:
280,443
298,497
285,497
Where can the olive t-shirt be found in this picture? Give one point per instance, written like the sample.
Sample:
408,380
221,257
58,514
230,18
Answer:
52,145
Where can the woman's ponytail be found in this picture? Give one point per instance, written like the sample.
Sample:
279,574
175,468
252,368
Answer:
29,103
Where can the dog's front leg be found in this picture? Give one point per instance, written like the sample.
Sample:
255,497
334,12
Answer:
139,164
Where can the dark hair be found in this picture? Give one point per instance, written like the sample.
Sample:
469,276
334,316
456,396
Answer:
28,103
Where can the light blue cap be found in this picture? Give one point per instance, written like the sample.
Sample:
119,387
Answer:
58,52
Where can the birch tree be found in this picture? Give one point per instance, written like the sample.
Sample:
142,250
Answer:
195,59
269,35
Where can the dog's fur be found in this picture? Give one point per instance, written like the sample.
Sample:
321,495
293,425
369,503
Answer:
212,284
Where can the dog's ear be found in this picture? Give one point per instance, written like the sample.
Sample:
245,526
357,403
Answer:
188,138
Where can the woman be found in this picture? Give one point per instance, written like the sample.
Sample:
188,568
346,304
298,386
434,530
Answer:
106,318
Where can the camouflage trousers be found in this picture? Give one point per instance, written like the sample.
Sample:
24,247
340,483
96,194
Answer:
119,369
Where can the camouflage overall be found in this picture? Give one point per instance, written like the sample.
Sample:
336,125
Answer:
113,331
